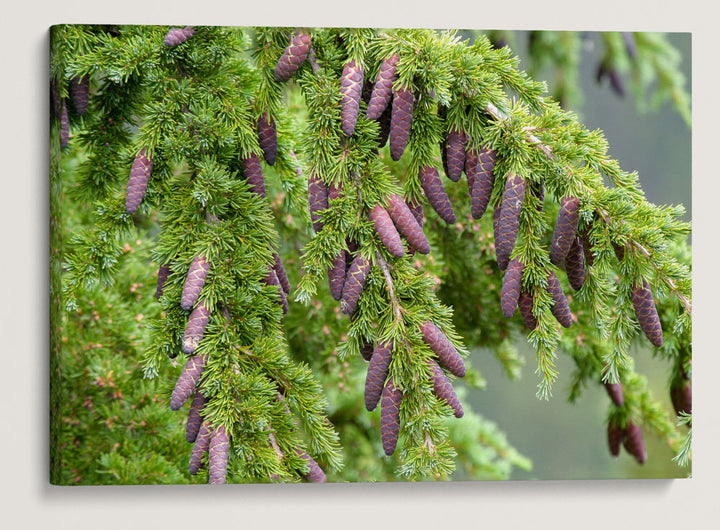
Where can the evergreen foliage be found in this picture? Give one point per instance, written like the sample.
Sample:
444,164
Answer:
291,246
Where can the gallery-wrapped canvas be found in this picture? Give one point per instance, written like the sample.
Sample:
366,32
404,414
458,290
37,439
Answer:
314,255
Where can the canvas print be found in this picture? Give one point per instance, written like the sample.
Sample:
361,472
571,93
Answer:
368,255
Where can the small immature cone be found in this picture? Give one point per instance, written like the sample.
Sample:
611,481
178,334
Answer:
615,438
194,417
163,273
281,273
382,90
186,383
293,57
390,416
512,284
509,219
525,305
177,36
202,444
560,308
446,352
455,153
218,456
377,374
483,185
336,276
317,199
402,113
272,279
80,92
366,350
385,228
615,391
565,230
351,84
407,224
195,328
646,313
267,136
681,396
315,472
587,249
138,181
354,284
633,442
252,169
444,389
436,194
575,264
64,126
194,282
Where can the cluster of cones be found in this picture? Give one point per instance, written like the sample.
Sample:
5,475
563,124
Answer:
79,94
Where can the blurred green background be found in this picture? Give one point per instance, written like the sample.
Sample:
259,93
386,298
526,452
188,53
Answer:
568,441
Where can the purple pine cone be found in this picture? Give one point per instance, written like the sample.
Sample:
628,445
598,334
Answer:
390,416
402,113
377,374
382,90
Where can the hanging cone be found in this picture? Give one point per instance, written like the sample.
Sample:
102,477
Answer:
366,350
218,456
483,185
402,113
315,472
615,391
336,276
293,57
272,279
633,442
390,416
647,314
351,84
317,199
560,308
443,348
472,166
354,284
382,91
267,136
252,169
202,444
281,273
163,273
385,228
377,374
416,208
80,92
444,389
177,36
407,223
509,219
565,230
194,282
525,305
436,194
186,383
455,154
195,328
138,181
681,396
615,438
194,417
575,264
512,284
